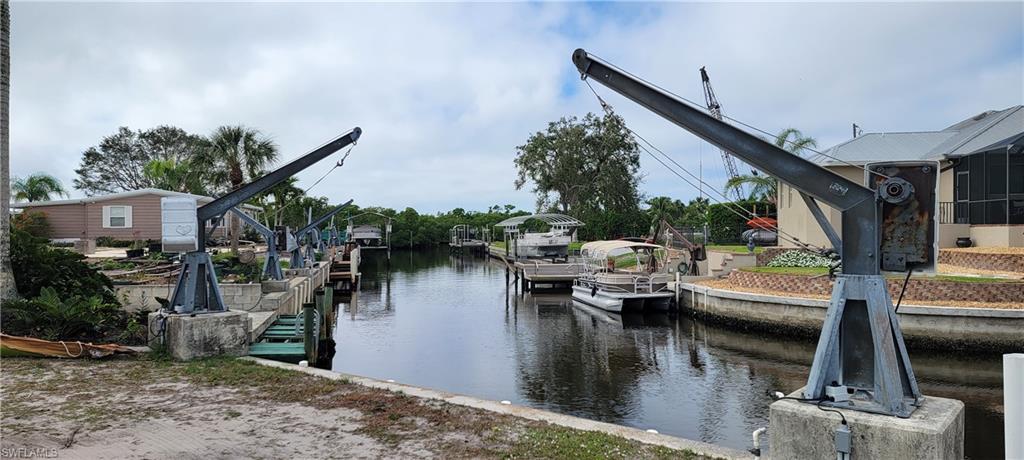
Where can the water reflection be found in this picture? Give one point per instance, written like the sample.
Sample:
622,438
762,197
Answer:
456,323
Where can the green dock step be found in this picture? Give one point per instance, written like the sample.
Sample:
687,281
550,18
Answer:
289,351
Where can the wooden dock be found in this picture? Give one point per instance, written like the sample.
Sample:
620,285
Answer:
534,273
345,268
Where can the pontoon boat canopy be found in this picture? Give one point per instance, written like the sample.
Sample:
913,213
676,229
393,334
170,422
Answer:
607,246
554,220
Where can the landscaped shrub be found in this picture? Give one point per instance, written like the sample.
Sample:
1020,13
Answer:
63,298
37,265
111,242
799,259
32,222
53,317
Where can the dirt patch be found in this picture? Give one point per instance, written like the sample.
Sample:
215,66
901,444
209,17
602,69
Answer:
227,408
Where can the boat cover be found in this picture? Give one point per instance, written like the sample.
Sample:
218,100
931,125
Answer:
11,345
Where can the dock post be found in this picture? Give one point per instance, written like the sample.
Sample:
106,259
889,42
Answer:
321,310
309,333
328,311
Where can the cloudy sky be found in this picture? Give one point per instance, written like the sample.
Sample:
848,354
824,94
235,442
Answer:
444,92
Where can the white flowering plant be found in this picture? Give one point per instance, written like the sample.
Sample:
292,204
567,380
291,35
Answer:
799,259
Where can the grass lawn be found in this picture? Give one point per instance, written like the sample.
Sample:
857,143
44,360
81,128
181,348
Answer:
733,248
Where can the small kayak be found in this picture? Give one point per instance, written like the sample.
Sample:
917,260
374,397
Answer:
14,346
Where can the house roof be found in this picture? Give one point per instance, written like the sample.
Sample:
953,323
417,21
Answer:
1016,142
550,219
961,138
121,195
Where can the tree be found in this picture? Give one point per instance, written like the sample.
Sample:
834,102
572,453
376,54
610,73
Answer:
581,166
178,175
119,162
235,155
8,290
762,186
664,208
37,187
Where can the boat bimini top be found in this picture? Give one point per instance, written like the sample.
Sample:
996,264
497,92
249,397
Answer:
597,252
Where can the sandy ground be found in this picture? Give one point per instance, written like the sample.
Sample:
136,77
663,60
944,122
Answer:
141,408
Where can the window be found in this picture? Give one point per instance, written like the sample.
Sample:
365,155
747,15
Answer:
989,188
117,217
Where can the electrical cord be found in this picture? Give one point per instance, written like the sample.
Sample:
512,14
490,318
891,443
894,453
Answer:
903,289
818,401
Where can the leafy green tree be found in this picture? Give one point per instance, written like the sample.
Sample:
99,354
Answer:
178,175
578,166
763,186
235,155
37,187
120,161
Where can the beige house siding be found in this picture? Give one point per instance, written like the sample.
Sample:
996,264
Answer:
145,219
85,220
65,220
795,219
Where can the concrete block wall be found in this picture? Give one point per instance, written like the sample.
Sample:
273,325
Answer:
142,297
982,261
920,290
285,297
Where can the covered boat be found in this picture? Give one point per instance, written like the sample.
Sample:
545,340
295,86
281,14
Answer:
622,274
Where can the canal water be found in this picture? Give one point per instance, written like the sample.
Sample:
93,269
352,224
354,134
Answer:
450,322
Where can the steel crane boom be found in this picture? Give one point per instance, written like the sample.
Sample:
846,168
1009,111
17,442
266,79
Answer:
869,369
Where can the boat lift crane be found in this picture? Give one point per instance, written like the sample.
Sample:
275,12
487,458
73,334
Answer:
298,259
716,111
272,263
196,290
861,362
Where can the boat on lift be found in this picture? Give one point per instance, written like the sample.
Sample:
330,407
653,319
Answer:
623,275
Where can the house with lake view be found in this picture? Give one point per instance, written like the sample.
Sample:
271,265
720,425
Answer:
981,180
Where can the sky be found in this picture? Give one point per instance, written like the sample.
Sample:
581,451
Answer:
444,92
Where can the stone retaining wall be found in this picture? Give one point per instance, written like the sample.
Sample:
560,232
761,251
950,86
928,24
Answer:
983,261
922,290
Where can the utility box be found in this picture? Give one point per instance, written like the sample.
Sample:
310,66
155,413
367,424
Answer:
909,238
179,224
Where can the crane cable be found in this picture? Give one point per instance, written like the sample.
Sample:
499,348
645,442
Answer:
337,165
727,204
702,109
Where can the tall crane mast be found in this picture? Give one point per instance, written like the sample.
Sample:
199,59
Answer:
716,111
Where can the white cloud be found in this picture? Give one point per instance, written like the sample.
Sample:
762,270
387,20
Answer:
444,92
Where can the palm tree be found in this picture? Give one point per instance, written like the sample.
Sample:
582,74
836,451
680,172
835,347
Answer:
765,187
7,288
37,187
236,155
663,208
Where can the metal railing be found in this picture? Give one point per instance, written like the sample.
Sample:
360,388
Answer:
947,212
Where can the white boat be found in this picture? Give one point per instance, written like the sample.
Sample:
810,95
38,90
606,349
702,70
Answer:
554,244
641,285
